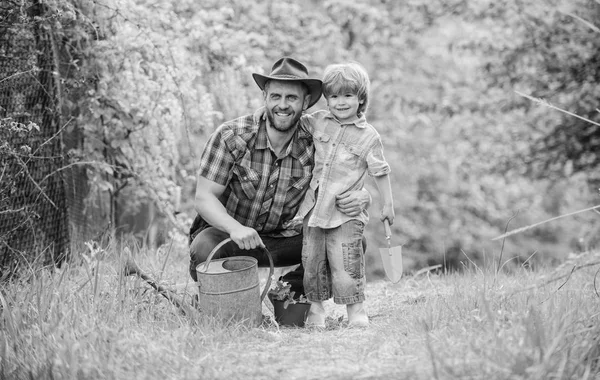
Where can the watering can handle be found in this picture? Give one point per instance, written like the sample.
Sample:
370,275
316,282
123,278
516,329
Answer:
271,266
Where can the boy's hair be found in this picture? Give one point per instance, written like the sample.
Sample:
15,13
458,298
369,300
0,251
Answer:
348,77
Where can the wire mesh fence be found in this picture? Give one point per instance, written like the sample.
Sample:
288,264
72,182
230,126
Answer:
34,223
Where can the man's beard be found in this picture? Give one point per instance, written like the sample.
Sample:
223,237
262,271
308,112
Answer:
282,128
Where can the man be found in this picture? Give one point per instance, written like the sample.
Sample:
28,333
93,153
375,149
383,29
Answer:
254,174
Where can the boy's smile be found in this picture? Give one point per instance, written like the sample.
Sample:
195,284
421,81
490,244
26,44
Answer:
344,106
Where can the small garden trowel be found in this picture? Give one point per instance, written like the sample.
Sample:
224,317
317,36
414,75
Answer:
391,257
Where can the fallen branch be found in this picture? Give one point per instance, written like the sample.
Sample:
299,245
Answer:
427,269
547,104
554,279
596,289
519,230
131,268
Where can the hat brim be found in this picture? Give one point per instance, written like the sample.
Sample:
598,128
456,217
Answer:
315,86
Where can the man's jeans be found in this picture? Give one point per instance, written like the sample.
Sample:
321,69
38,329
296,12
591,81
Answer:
334,263
285,252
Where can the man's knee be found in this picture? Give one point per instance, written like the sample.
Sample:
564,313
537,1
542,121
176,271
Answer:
199,250
202,246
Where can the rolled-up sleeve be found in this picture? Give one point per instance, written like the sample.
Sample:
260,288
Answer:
376,163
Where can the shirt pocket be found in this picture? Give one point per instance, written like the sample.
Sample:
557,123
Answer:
321,146
322,137
350,155
297,190
245,181
354,259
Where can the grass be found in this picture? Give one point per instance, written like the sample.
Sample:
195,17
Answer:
87,321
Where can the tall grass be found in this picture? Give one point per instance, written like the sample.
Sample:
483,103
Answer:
539,334
87,321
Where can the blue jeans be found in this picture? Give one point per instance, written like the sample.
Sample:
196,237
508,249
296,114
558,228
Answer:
334,263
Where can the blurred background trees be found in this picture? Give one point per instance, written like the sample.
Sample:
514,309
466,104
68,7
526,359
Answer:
146,81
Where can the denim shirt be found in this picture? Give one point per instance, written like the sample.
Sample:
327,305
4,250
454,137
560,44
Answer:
344,155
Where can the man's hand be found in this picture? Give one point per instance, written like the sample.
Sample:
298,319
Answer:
213,211
246,237
354,202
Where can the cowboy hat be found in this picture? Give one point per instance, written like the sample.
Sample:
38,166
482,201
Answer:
288,69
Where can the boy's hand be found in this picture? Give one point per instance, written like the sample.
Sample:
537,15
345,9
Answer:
387,212
294,224
260,114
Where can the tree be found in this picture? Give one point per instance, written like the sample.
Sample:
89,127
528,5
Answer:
554,55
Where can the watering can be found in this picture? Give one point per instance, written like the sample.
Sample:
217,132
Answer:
229,288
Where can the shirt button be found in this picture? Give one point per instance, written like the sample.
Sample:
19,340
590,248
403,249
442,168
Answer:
270,185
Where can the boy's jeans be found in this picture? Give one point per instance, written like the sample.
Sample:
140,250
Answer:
334,263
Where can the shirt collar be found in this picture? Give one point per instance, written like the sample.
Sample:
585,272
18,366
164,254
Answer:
262,139
297,146
359,122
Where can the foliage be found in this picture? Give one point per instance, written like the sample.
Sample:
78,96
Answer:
461,122
435,99
552,52
147,80
126,92
282,291
15,154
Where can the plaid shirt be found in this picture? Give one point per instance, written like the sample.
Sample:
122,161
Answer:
261,190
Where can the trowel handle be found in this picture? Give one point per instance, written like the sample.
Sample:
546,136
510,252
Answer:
388,230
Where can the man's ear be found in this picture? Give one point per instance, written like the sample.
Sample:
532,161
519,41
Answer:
306,102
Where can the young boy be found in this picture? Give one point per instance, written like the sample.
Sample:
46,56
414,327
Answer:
347,148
